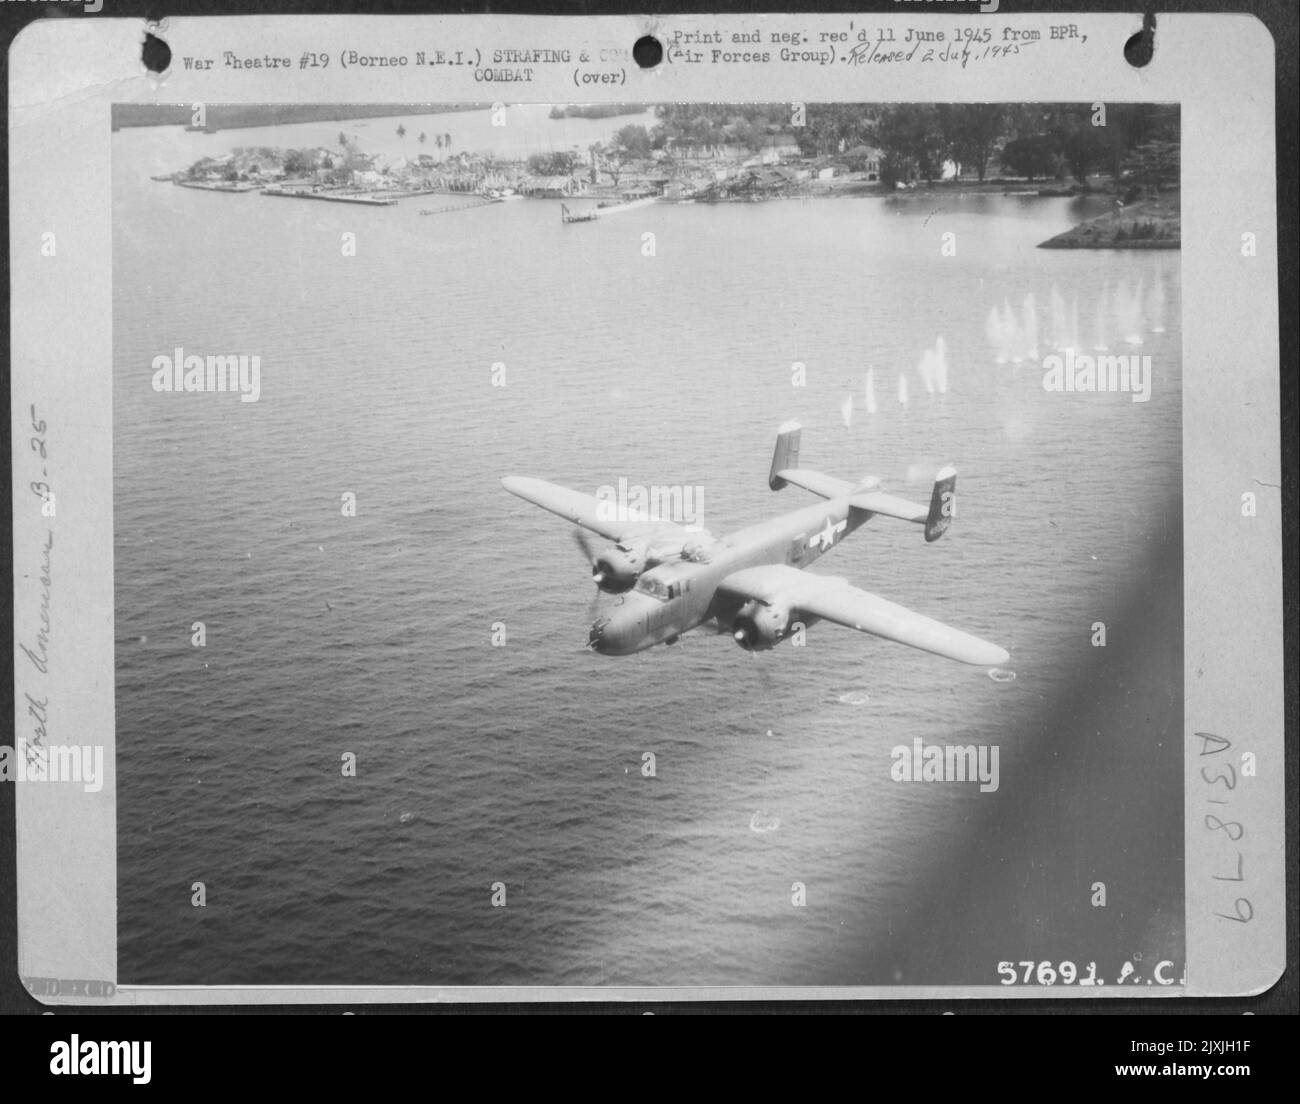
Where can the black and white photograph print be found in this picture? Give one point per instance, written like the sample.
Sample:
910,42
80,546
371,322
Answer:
678,544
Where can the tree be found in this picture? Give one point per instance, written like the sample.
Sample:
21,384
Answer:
423,137
1153,165
633,140
1030,157
910,137
401,131
1083,150
1129,126
297,162
894,169
556,163
971,133
750,135
1075,138
832,128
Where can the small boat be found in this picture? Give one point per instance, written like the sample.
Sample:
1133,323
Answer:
568,216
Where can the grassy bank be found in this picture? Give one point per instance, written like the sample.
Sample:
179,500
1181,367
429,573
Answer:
1146,224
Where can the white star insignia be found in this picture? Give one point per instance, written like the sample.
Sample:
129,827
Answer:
826,537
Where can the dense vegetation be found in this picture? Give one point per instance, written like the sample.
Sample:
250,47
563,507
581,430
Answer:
595,111
915,140
231,116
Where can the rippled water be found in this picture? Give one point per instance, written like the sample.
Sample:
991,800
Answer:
371,635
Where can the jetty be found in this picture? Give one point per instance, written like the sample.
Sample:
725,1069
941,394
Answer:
480,201
617,206
335,195
218,185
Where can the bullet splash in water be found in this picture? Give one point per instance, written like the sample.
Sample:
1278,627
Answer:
1128,313
1156,306
1099,323
993,331
1030,327
941,366
926,371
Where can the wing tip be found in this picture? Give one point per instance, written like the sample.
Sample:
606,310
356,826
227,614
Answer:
519,485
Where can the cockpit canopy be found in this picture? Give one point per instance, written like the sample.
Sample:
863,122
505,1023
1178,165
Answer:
665,589
656,587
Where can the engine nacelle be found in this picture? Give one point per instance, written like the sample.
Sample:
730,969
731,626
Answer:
759,625
617,569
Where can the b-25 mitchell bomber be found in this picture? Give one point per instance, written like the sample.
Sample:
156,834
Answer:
669,580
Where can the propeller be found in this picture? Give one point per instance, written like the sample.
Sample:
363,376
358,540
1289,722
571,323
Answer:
583,541
589,551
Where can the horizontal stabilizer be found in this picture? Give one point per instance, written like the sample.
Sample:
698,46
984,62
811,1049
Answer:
825,485
936,517
877,502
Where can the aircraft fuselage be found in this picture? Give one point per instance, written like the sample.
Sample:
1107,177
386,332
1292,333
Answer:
675,597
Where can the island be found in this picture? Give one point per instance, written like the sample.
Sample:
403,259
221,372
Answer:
746,153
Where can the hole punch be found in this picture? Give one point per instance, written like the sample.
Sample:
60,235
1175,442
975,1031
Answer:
155,54
1139,49
647,51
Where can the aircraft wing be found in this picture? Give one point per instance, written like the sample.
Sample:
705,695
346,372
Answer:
586,510
836,600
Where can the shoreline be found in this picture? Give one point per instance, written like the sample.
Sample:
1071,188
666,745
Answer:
1144,225
1147,224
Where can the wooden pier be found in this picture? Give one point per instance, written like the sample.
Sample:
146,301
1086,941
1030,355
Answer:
334,196
483,201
